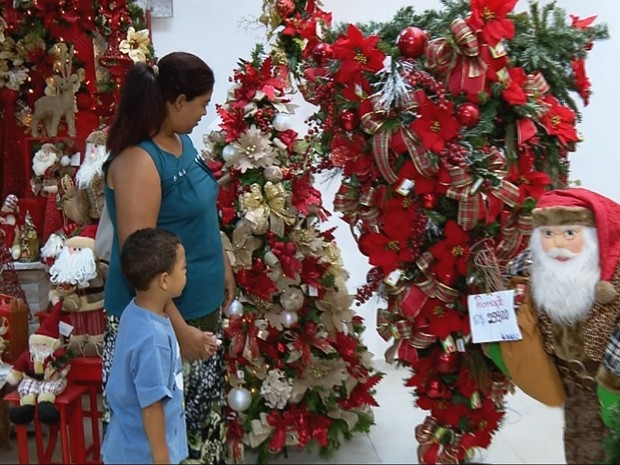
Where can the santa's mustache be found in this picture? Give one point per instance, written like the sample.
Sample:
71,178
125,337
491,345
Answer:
560,253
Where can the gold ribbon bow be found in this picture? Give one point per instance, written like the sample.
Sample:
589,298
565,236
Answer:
270,211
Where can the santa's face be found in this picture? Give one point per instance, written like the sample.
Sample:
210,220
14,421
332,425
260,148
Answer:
565,271
562,242
74,266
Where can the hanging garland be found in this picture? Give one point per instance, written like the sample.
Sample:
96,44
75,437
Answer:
447,126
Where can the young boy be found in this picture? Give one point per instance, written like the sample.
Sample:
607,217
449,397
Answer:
145,385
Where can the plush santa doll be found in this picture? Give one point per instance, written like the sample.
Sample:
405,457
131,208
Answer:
40,373
573,294
77,276
10,222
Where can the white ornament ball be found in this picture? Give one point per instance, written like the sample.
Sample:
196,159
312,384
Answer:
282,122
234,309
239,399
289,318
228,152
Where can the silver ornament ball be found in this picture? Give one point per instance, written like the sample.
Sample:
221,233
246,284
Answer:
239,399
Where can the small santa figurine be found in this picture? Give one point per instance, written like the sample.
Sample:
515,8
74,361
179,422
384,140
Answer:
10,222
78,279
574,308
40,373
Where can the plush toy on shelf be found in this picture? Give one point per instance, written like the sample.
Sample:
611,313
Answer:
77,277
40,373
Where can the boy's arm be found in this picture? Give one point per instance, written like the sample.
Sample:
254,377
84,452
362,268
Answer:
155,429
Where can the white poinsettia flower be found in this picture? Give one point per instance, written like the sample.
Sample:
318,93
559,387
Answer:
136,45
253,149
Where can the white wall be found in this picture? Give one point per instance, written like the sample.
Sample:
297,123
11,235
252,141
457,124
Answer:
221,32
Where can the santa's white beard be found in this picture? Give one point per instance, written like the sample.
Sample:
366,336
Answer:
39,353
74,268
92,166
565,290
42,161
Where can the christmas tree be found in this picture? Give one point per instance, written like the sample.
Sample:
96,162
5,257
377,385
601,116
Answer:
446,126
298,372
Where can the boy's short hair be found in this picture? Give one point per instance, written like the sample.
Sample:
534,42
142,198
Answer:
146,253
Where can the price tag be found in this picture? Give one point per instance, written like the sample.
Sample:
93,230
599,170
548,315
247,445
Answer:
65,329
492,317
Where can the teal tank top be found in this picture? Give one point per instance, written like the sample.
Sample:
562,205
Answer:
188,209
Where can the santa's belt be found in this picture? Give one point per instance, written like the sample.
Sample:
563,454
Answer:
89,290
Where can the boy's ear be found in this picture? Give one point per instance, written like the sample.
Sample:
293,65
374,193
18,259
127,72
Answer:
163,281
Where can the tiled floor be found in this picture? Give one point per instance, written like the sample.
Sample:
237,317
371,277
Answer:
532,433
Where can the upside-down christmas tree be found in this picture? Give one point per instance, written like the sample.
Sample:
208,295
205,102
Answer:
298,372
446,127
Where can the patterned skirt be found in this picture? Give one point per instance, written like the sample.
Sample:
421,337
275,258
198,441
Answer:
204,396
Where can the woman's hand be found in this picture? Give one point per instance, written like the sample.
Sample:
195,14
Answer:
196,344
230,287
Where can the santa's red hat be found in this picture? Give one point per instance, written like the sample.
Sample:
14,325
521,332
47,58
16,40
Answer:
83,238
49,333
578,206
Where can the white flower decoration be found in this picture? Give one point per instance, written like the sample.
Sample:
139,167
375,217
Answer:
276,389
136,45
253,149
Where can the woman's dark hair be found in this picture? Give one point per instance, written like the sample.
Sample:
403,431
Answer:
141,110
146,253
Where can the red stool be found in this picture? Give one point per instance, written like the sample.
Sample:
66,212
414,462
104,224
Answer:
71,427
86,371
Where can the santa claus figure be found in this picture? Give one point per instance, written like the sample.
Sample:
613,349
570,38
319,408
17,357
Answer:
40,373
573,289
78,277
10,222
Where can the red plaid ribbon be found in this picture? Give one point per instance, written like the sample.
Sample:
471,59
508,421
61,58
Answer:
536,85
476,200
462,65
429,285
515,232
374,123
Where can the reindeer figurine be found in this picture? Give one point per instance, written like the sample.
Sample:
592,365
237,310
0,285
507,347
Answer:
50,108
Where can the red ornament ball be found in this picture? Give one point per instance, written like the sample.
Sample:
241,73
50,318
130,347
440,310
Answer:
285,8
322,53
435,389
468,114
347,120
411,42
448,362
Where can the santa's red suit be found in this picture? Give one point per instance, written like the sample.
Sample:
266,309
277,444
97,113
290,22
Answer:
38,372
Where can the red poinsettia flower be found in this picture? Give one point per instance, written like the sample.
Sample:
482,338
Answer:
389,248
305,196
255,281
531,183
356,90
312,272
513,87
442,321
489,18
582,82
452,254
436,125
233,122
356,54
452,414
226,200
559,121
579,23
485,422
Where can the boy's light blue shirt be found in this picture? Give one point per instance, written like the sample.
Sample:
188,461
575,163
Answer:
146,368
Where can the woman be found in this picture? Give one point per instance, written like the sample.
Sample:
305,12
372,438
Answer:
154,178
